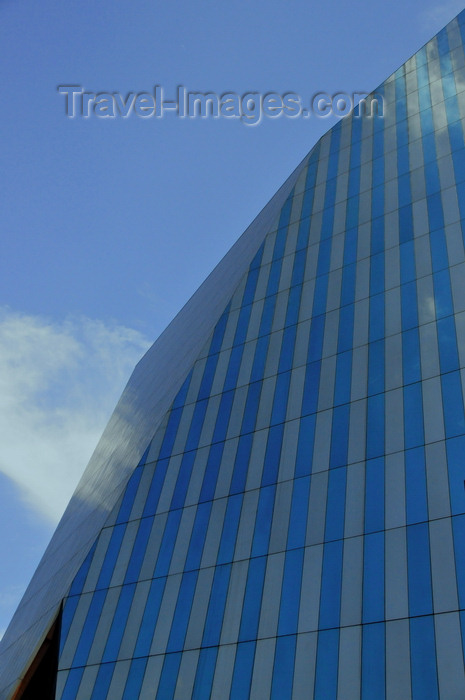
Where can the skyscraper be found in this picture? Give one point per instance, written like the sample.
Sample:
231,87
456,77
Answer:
277,507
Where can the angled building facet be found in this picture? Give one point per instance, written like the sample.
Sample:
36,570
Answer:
277,506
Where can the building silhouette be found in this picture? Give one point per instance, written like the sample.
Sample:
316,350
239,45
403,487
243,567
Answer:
276,508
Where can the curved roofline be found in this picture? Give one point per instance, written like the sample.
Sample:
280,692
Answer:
144,402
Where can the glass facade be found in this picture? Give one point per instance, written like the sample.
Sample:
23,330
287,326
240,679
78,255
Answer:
296,526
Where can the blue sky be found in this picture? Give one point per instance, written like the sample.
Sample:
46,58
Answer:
109,225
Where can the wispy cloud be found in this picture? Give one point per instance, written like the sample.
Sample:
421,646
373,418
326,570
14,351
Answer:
59,383
10,596
434,17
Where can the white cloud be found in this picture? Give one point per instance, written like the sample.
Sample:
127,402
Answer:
59,383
